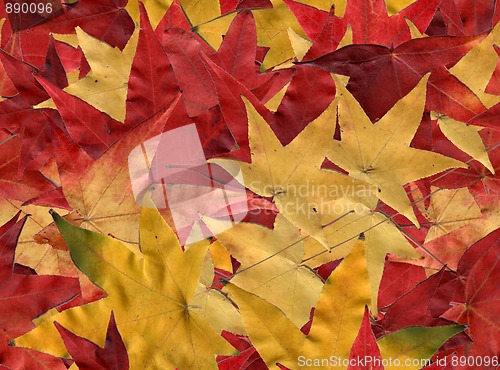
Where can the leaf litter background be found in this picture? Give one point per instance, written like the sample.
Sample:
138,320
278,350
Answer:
400,98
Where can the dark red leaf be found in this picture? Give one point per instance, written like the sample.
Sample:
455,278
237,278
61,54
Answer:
302,103
463,18
398,278
422,305
152,84
198,91
364,347
488,118
89,356
372,66
106,20
371,24
27,18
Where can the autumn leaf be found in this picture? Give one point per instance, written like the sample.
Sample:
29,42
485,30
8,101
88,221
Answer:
106,20
156,318
464,137
144,84
25,297
371,66
422,305
93,131
337,317
292,184
400,149
382,236
478,267
370,152
398,278
414,343
476,76
365,346
272,31
105,87
450,210
88,355
270,265
472,228
103,195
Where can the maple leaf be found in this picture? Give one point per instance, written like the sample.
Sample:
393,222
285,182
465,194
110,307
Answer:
365,346
248,357
31,184
105,87
272,31
382,236
476,76
270,265
488,118
17,114
88,355
74,156
237,56
451,246
398,278
337,317
25,297
151,296
100,191
455,18
293,183
106,20
93,131
372,152
369,20
422,305
479,268
147,94
465,138
371,66
450,210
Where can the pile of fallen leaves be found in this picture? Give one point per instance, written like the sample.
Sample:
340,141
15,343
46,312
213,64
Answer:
367,137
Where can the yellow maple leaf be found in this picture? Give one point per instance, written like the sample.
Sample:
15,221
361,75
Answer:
449,210
105,87
380,153
337,317
465,137
292,174
382,236
151,296
462,226
475,74
271,265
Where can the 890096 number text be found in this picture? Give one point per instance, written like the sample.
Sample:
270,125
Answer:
25,8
